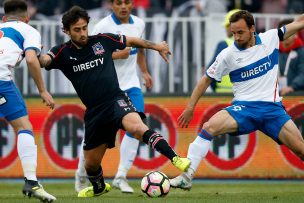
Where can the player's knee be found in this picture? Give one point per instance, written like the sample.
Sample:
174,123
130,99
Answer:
23,126
211,129
137,130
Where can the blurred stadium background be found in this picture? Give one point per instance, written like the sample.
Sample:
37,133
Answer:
192,33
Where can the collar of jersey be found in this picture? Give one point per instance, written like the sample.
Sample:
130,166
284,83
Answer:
258,41
117,21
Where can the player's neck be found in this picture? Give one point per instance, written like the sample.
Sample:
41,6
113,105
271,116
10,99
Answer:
15,18
125,20
76,45
251,42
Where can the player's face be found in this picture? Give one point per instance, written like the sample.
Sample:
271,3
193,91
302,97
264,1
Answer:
79,32
122,9
242,34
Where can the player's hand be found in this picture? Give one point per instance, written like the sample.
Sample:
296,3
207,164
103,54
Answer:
47,99
286,90
185,118
164,51
148,80
122,54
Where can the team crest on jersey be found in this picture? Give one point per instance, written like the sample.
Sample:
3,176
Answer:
98,49
122,103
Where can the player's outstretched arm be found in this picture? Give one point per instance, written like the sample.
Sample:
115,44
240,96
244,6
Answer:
200,88
35,71
294,27
161,47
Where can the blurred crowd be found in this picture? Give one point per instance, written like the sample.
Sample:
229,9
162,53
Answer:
56,7
292,54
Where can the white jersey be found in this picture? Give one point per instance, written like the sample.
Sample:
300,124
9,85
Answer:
253,71
15,38
125,68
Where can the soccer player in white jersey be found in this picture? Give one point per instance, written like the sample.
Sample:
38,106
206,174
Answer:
252,64
18,40
122,22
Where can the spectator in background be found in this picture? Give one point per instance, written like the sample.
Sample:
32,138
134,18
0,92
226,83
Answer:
291,63
295,6
206,7
145,4
225,85
253,6
49,7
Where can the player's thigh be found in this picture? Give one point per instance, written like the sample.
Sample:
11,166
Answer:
94,156
12,105
220,123
292,138
133,123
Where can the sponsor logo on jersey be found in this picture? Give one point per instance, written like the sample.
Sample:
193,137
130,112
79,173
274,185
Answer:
72,58
256,71
122,103
88,65
98,49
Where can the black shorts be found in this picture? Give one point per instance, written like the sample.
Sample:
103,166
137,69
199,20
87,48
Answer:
103,122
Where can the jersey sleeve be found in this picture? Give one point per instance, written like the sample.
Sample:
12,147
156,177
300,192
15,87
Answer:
55,54
32,40
114,42
218,68
281,32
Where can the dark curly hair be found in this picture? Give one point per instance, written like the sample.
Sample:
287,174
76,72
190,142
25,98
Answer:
73,15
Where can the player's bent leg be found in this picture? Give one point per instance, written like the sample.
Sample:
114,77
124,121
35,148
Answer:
133,124
27,151
292,138
221,122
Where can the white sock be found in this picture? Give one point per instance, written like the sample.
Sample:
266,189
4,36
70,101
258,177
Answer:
128,150
81,171
198,149
27,151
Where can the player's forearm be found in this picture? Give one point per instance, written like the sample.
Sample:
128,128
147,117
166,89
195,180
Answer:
35,72
141,43
294,27
45,60
198,91
141,60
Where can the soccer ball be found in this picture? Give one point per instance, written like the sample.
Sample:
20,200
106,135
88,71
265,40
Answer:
155,184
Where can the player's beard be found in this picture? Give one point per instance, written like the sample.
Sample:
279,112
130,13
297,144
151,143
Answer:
247,44
81,42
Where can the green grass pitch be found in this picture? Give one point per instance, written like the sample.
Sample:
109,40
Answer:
202,191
